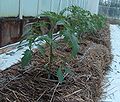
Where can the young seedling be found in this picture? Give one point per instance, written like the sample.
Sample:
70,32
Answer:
67,32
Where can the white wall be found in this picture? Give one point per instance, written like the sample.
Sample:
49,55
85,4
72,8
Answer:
10,8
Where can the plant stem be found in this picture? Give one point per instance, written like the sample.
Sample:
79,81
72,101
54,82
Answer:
51,56
51,49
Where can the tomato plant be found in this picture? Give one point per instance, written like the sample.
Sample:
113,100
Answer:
74,25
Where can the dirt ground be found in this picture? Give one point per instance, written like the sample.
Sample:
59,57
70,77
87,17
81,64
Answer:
83,85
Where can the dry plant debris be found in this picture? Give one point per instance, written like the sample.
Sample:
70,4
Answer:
32,85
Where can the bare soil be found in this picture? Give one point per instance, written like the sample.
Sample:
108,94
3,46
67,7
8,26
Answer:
83,85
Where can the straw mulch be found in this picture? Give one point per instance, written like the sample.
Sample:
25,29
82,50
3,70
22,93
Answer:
83,85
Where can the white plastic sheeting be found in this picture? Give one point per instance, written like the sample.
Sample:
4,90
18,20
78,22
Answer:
28,7
112,88
9,8
45,5
92,5
13,8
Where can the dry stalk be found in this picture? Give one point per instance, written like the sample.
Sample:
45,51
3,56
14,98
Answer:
56,89
8,99
14,79
15,92
72,93
41,96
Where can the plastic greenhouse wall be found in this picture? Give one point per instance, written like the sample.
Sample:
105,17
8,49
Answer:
20,8
9,8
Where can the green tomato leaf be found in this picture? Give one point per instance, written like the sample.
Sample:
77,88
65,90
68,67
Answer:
26,58
75,46
41,49
46,38
67,70
60,75
72,40
60,22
